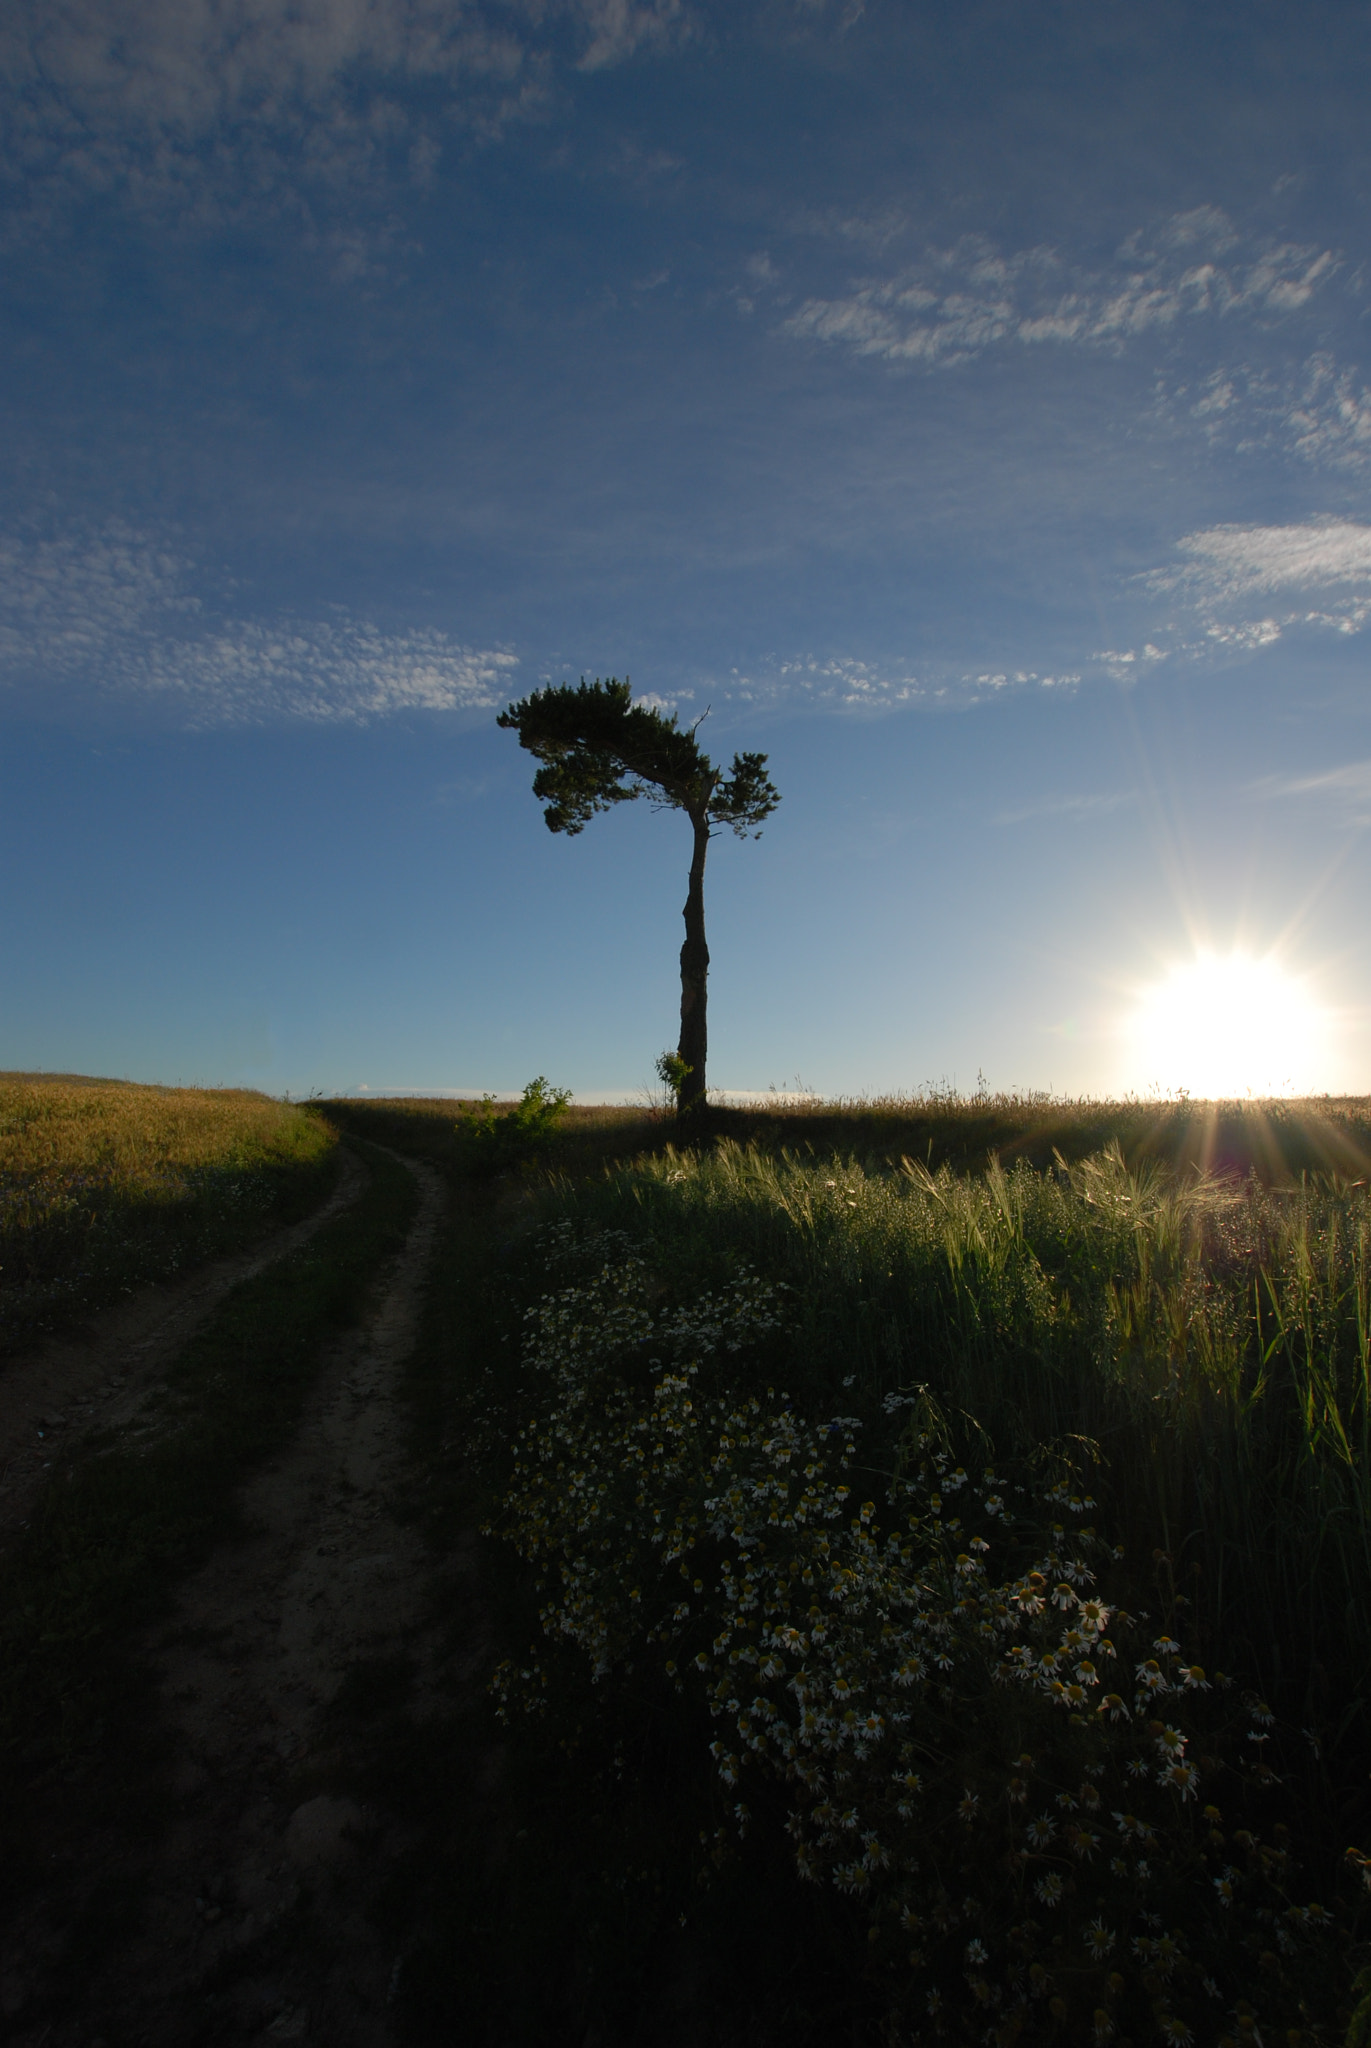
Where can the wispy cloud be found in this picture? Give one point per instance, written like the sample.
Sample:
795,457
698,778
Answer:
1099,805
1354,777
1319,410
1227,566
1127,664
207,107
1234,561
947,305
1227,577
1344,791
845,683
117,611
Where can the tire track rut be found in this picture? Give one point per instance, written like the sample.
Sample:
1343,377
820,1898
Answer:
255,1899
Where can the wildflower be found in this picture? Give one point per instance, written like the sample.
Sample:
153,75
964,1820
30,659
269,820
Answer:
1182,1778
976,1951
1049,1889
1113,1706
1099,1939
1175,2031
1041,1831
968,1806
1193,1678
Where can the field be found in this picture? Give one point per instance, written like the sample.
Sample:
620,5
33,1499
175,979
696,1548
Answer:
900,1572
106,1185
986,1539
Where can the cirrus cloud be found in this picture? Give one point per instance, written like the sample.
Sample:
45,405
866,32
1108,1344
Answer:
954,303
209,109
116,611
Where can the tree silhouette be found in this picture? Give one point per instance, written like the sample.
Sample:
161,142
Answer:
599,748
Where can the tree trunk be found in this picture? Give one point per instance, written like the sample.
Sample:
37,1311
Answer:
694,1040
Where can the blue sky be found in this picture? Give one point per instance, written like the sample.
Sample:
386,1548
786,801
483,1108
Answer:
970,407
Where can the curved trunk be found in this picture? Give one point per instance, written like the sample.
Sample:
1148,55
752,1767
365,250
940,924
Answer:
694,1041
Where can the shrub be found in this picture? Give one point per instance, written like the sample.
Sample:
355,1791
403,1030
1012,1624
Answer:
491,1143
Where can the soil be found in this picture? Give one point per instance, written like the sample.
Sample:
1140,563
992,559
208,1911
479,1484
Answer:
97,1375
255,1897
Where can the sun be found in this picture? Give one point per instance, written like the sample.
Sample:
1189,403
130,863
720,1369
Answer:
1228,1025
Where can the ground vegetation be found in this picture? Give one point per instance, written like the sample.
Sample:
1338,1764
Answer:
107,1185
933,1584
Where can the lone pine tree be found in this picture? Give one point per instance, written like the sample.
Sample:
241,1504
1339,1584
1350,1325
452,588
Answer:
599,748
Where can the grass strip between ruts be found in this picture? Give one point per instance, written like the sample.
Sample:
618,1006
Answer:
123,1520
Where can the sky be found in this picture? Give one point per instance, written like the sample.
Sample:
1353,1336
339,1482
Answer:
969,407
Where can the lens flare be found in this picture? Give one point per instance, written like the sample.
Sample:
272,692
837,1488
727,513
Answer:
1229,1025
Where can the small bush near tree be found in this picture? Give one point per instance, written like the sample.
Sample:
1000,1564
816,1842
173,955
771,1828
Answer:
492,1142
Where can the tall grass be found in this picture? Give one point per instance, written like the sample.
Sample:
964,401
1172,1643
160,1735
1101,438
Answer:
1200,1343
104,1185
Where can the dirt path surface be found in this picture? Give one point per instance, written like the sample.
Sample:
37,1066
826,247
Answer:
98,1376
254,1920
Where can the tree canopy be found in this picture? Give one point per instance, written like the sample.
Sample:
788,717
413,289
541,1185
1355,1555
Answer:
599,748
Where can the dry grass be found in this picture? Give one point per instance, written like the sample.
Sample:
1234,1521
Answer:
106,1184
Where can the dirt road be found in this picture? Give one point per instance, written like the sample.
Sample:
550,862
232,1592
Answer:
254,1919
98,1376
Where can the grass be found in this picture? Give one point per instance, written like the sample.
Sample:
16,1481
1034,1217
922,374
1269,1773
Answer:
1277,1140
1170,1300
1211,1338
123,1520
105,1185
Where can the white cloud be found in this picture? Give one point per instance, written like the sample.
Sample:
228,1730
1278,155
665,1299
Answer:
206,107
1225,562
1227,577
1318,409
1329,417
1126,664
619,28
840,682
950,304
116,611
843,683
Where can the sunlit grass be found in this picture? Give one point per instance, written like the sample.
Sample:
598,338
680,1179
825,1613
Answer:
104,1185
1164,1304
1210,1337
